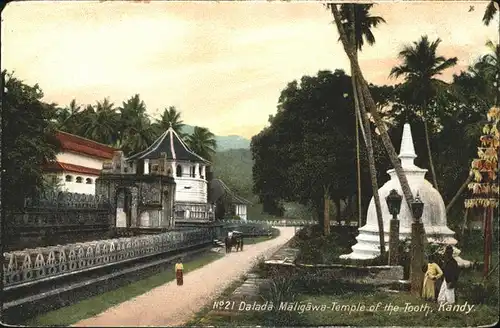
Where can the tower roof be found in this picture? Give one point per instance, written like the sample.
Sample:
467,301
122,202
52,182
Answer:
172,145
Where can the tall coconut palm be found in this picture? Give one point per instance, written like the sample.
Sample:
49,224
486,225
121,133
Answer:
491,10
358,24
136,131
100,123
363,88
420,67
171,118
202,142
489,66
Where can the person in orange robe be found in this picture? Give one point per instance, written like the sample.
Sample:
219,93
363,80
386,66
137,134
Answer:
179,268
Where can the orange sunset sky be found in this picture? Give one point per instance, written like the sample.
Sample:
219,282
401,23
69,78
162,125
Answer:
223,65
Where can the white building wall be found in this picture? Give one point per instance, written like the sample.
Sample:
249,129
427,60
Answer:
188,188
241,211
73,186
78,187
80,159
196,191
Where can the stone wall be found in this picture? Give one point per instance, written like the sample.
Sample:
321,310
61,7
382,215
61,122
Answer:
39,263
57,218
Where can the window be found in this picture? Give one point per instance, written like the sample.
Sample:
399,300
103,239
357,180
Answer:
54,179
88,181
79,179
201,171
69,178
191,171
179,171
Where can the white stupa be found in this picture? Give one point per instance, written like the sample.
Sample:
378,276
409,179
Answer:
433,217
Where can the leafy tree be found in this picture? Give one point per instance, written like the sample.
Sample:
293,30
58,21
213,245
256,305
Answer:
202,142
28,140
420,67
305,154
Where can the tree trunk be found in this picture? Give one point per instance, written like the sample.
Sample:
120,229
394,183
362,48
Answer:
429,152
326,222
459,192
370,104
365,124
356,106
373,174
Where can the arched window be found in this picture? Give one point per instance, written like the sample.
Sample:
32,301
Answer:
69,178
179,171
79,179
88,181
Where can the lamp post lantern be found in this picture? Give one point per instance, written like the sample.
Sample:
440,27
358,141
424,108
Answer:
417,246
393,201
417,208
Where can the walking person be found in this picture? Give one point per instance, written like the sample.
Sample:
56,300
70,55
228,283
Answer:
179,268
432,273
450,274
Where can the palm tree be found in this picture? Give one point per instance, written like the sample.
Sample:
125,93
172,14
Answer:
363,88
491,10
202,142
100,123
136,131
357,24
171,118
420,67
67,117
489,66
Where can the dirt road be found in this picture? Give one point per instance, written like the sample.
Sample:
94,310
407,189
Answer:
172,305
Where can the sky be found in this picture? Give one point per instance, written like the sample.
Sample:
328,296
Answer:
222,65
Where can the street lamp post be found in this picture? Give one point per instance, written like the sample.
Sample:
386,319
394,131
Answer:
417,246
393,201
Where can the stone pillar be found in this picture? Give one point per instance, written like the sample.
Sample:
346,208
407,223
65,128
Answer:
146,166
203,172
393,241
134,191
417,257
197,170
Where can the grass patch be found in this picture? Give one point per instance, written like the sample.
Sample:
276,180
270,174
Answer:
92,306
480,314
199,317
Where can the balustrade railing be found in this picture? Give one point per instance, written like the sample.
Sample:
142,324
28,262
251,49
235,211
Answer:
34,264
282,223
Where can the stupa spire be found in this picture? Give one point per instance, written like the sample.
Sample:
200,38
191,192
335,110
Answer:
407,152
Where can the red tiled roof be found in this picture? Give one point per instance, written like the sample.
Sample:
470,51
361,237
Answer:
58,167
77,144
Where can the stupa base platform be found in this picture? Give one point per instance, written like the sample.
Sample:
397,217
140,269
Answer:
368,245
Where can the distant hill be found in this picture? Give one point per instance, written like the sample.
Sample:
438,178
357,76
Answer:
234,167
224,142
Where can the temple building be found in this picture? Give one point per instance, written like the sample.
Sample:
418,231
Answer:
159,187
433,217
227,203
78,164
